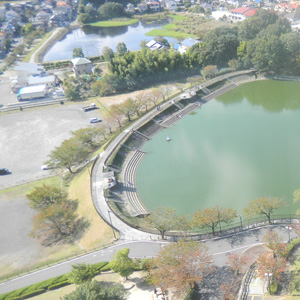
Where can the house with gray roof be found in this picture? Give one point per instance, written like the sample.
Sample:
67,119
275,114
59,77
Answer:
81,65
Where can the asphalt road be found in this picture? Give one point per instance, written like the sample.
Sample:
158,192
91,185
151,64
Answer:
27,138
219,248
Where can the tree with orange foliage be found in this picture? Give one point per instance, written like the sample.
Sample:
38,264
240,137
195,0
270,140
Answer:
179,265
236,261
275,244
270,265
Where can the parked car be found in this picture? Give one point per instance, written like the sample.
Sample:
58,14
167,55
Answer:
95,120
4,171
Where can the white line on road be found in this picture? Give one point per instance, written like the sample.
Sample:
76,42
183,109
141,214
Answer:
235,249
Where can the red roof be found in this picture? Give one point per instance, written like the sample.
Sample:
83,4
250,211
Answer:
250,12
240,10
293,6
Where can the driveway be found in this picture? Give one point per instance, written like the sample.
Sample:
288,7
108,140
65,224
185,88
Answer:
28,137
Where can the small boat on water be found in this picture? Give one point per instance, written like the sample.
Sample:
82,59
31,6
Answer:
168,138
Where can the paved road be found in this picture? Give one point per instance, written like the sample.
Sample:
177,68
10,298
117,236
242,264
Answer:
220,248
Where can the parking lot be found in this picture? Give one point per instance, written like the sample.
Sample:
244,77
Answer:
27,138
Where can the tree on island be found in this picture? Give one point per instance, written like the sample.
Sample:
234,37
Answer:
212,217
111,10
263,206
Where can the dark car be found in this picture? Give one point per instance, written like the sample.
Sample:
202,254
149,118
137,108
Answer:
4,171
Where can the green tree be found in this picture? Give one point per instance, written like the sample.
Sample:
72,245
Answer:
263,206
44,196
7,45
69,154
163,219
111,10
72,92
121,48
78,52
212,217
97,291
108,53
90,137
82,273
122,263
85,18
180,265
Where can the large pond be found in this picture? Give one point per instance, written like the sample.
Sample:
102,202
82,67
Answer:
93,39
236,148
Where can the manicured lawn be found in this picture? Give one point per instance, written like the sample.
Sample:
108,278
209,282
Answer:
115,23
169,33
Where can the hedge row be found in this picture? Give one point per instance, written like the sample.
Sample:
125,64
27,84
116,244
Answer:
46,285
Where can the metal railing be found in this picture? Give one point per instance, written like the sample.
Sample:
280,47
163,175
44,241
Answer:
244,290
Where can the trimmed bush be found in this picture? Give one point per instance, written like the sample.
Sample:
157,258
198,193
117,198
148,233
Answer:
33,293
273,288
293,244
58,285
100,265
106,268
191,294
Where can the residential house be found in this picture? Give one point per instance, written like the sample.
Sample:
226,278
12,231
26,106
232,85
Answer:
286,7
130,8
17,7
241,13
171,5
81,66
8,29
154,45
154,6
13,17
63,7
185,45
43,16
142,7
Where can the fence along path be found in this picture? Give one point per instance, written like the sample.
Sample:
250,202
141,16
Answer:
129,183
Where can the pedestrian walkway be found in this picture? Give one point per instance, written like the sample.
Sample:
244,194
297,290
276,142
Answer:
257,287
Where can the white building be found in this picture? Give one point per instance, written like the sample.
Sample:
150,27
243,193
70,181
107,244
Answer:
48,81
81,66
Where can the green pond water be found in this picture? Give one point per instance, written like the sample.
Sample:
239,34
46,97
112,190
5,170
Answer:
241,146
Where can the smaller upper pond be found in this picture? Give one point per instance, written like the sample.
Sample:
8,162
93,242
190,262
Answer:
93,39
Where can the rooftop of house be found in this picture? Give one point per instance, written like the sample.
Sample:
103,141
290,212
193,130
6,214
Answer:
80,61
251,12
240,10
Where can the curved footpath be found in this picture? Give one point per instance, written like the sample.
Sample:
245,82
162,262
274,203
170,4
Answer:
97,179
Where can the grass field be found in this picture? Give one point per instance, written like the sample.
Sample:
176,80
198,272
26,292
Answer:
114,23
169,33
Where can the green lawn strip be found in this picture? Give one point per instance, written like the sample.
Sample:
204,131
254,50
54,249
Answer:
114,23
169,33
46,285
178,18
28,187
27,57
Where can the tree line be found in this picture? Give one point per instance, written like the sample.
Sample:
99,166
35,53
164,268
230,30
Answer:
264,41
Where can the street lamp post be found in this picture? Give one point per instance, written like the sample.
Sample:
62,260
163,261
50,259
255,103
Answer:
219,218
269,275
111,224
241,220
289,228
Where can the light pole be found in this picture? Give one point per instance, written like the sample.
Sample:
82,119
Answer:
289,228
111,223
269,275
241,220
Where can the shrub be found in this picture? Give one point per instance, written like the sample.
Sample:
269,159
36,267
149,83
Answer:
99,266
58,285
273,288
191,294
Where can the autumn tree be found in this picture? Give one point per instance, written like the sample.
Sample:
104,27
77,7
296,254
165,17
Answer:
145,100
263,206
275,244
154,97
57,220
212,217
82,273
44,196
268,265
127,108
229,290
164,92
122,263
236,261
117,113
163,219
69,154
180,265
